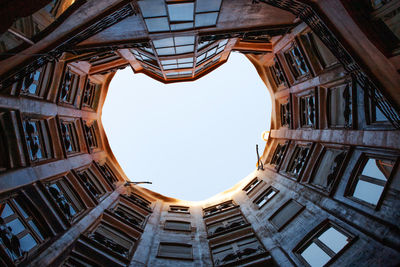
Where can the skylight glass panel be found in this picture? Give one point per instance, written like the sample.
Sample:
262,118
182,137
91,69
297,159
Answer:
169,61
220,49
211,52
206,19
203,44
184,49
185,65
166,42
149,50
181,12
157,24
184,40
223,42
170,67
166,51
201,57
152,8
181,26
185,60
208,5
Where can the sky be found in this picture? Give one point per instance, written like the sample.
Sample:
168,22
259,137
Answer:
192,140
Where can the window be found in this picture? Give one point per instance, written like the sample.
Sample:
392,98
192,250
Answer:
20,232
328,167
340,106
37,82
179,209
26,29
296,62
248,188
37,139
227,225
374,114
108,173
181,16
318,48
277,74
388,12
219,208
90,134
175,46
178,226
307,111
90,93
279,153
69,137
265,196
92,185
369,184
324,245
69,87
175,250
285,114
285,214
298,160
65,198
237,251
113,239
129,215
140,201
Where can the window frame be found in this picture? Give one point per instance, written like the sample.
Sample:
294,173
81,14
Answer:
175,229
355,177
250,187
28,42
177,209
287,55
292,217
317,232
178,245
292,158
261,196
75,142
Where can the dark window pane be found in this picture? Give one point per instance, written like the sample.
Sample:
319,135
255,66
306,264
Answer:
286,214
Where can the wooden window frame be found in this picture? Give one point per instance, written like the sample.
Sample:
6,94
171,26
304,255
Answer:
288,58
175,244
179,209
355,177
292,217
261,196
250,186
71,125
314,234
175,229
293,156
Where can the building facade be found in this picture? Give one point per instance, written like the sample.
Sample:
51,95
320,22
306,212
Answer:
327,192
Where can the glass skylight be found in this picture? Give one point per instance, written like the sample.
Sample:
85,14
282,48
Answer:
160,16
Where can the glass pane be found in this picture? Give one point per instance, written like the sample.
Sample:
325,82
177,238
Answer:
220,49
201,57
181,12
334,239
371,169
208,5
152,8
27,242
326,167
206,19
163,42
202,44
21,209
8,41
185,65
184,40
16,226
181,26
157,24
315,256
211,52
223,42
170,67
33,225
184,49
368,192
379,115
166,51
169,61
185,60
6,211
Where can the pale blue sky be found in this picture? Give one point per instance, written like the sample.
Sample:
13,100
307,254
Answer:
191,139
